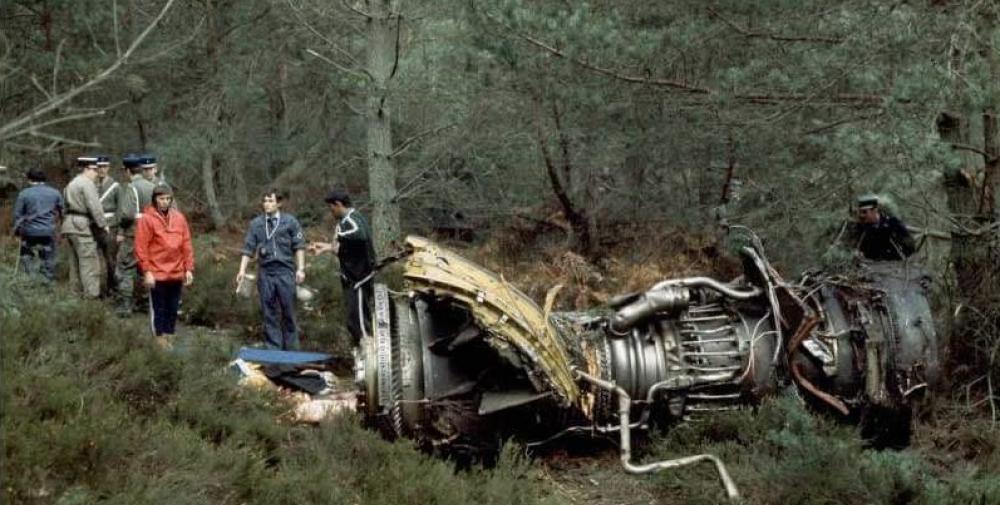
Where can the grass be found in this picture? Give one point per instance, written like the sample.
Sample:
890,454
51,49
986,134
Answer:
783,453
94,412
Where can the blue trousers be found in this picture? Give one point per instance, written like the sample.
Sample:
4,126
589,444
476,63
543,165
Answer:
45,249
277,303
166,298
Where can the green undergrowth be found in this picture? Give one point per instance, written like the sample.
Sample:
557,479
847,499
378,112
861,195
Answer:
782,453
212,300
94,412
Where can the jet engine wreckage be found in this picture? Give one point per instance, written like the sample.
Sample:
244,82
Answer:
463,359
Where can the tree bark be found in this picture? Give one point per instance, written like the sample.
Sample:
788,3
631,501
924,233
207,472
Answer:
578,220
208,186
383,55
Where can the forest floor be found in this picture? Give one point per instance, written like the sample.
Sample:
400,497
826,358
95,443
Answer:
93,414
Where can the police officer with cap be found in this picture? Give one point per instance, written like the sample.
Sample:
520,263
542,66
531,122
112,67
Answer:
276,241
878,235
84,214
150,170
134,196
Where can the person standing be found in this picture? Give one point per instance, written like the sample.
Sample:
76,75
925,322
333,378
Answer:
275,241
107,245
165,255
133,197
36,216
356,252
877,235
150,170
83,215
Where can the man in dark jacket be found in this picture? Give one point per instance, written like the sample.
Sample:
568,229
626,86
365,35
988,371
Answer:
276,242
355,250
877,235
37,211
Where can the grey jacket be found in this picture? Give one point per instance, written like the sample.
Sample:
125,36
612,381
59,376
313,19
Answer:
83,207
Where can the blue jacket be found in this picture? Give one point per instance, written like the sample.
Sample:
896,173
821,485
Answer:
37,211
274,246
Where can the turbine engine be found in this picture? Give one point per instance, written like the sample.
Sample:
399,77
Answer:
463,359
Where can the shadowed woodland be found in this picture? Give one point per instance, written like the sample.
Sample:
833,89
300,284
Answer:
600,145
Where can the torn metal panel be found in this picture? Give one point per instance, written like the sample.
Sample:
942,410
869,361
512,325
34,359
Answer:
507,314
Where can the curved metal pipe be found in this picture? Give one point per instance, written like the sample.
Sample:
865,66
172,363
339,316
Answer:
708,282
624,407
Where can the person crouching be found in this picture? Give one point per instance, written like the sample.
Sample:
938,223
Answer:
166,257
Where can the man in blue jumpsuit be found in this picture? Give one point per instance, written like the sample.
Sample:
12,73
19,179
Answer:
275,240
36,215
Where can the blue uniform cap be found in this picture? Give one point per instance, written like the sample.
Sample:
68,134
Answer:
86,161
147,160
103,159
131,160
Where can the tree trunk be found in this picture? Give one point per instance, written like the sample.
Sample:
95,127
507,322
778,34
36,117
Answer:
208,186
577,218
383,54
214,113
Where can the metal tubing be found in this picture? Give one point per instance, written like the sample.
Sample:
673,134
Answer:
624,407
708,282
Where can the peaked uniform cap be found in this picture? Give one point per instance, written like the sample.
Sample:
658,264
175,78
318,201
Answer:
131,160
869,201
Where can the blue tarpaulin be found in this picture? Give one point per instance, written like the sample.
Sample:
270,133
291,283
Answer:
278,357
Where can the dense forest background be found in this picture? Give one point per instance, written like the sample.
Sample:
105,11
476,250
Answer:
606,128
596,123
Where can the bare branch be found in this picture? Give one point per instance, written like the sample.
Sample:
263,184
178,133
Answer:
395,62
38,86
169,49
849,99
71,117
114,16
55,65
852,119
21,125
404,145
771,36
352,108
965,147
360,12
333,45
58,139
357,73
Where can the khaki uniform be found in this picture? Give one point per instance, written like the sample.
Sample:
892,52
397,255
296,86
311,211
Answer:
132,198
107,246
83,213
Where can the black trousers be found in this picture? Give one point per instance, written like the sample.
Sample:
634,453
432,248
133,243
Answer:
45,249
165,298
357,308
107,248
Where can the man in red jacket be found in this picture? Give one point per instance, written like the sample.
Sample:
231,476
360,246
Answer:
163,250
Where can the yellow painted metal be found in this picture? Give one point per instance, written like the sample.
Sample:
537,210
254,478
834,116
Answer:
507,314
